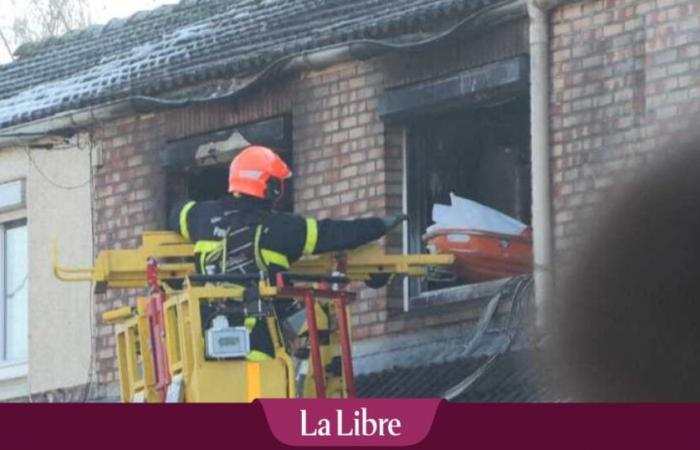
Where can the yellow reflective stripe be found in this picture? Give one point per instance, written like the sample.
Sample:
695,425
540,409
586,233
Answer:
265,257
258,356
249,323
203,248
256,249
311,236
184,229
273,257
253,379
206,246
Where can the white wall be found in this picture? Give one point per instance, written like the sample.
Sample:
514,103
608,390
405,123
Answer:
13,165
59,313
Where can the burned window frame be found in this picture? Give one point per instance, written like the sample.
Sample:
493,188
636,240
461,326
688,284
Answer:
450,95
178,157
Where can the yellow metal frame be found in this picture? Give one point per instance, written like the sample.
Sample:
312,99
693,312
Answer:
136,371
126,268
226,380
229,380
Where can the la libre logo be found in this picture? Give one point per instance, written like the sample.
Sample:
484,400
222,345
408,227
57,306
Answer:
358,423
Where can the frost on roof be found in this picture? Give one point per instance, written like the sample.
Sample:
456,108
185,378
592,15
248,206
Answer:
190,33
191,42
113,74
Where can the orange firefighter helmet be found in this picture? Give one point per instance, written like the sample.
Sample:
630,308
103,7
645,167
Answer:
259,172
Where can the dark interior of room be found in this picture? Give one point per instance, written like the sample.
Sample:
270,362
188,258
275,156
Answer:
188,179
482,154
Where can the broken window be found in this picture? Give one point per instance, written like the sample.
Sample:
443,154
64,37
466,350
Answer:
466,142
480,154
197,166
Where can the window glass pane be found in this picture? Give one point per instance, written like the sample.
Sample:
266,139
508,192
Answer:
16,292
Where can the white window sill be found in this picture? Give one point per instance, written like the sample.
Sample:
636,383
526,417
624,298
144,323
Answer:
14,369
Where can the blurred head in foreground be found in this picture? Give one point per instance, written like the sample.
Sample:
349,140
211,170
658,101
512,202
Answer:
625,325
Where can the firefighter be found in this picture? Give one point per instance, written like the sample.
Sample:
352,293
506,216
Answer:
242,233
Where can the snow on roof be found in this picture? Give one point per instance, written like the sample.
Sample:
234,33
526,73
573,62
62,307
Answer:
178,45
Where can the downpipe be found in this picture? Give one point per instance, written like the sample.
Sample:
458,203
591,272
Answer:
538,12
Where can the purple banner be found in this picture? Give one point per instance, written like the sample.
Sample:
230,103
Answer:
459,426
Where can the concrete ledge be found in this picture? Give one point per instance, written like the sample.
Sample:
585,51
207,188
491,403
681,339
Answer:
457,294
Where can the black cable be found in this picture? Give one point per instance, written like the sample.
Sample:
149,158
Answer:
520,289
91,318
49,180
281,62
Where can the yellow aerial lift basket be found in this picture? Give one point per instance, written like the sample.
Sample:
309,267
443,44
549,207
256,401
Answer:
189,340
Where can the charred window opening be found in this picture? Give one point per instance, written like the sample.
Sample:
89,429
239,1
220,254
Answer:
467,135
482,154
197,166
207,184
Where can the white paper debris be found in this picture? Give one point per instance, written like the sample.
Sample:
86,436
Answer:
465,213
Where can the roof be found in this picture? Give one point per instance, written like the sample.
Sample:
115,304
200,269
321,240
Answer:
153,52
495,359
513,377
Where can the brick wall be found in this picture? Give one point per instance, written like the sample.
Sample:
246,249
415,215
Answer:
128,194
347,162
625,80
338,155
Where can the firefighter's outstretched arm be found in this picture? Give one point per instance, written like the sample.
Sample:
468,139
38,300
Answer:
335,235
294,236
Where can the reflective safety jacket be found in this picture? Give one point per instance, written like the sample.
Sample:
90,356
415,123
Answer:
241,235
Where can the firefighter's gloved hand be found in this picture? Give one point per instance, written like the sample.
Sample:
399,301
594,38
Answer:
393,220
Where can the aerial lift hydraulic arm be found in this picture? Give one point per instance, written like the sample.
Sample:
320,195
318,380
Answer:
161,346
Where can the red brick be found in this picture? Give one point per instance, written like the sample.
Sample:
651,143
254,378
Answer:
343,155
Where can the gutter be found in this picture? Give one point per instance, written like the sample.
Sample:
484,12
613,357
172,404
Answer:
538,11
68,120
487,17
360,49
